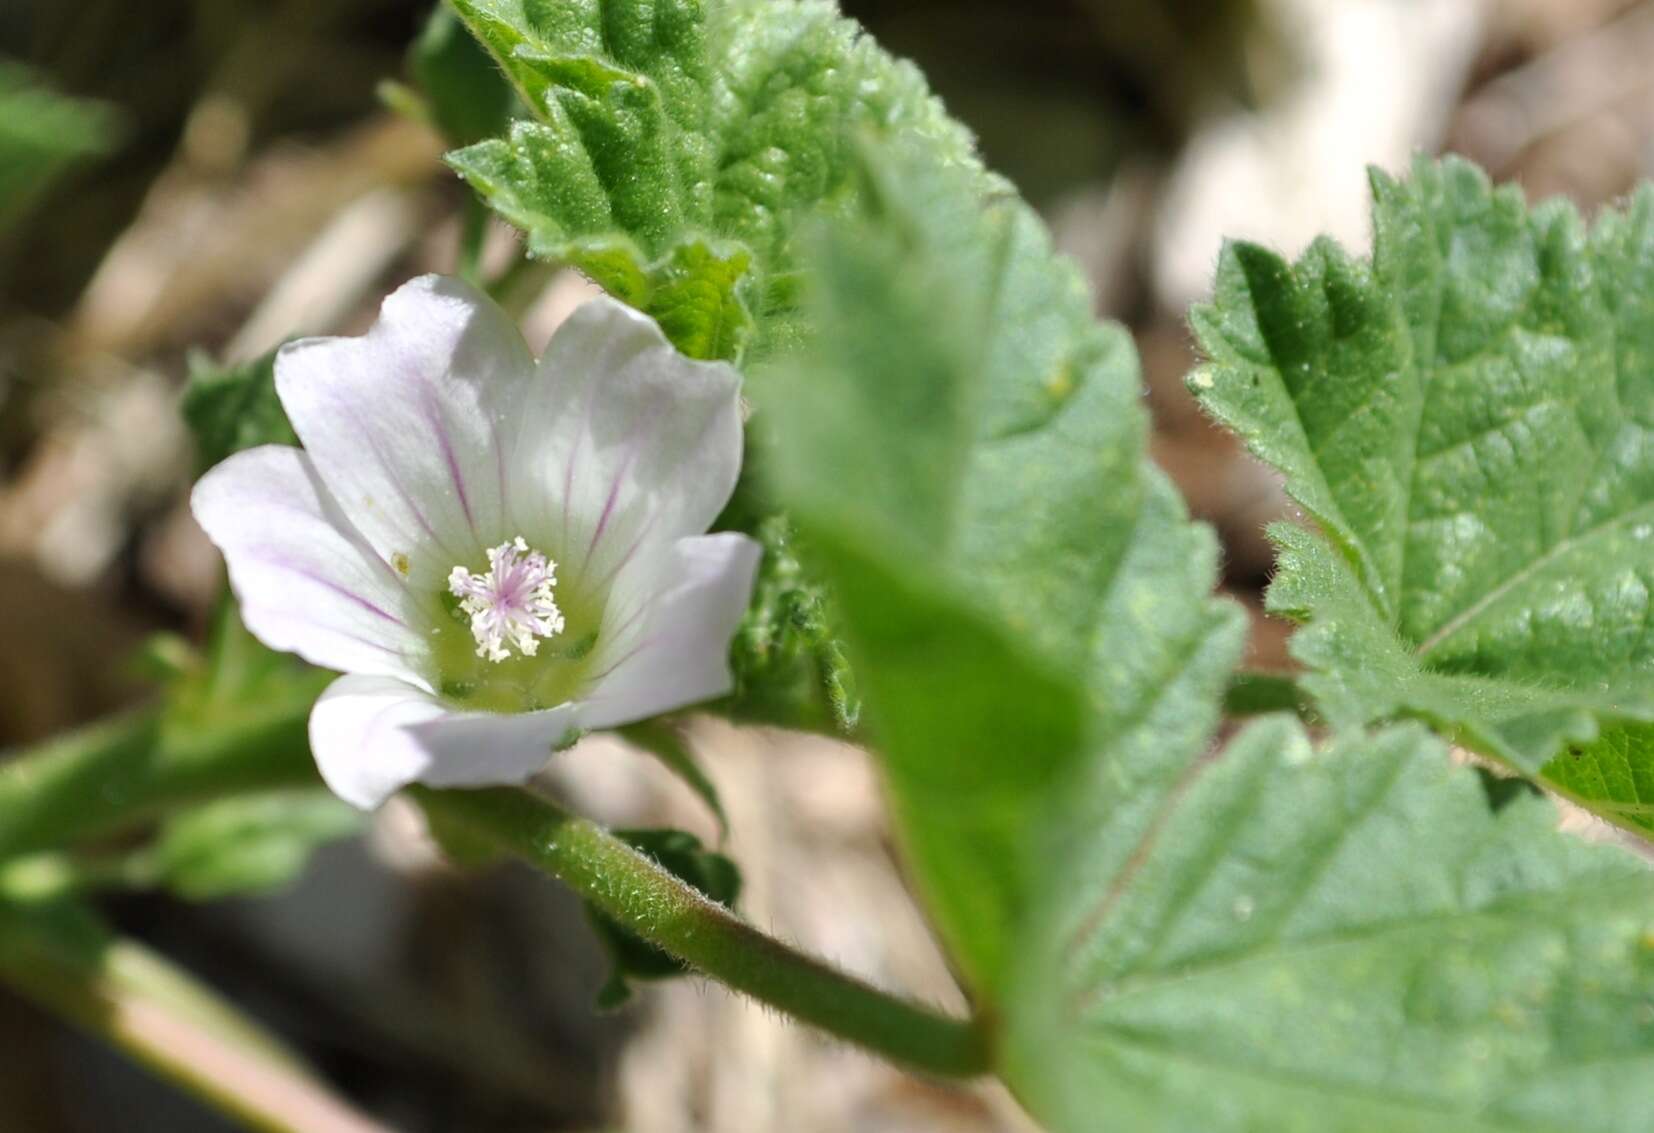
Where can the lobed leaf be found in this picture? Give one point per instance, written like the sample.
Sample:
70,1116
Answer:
1167,937
1468,421
674,146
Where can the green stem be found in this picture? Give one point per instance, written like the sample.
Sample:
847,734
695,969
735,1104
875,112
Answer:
675,917
135,767
135,1000
131,768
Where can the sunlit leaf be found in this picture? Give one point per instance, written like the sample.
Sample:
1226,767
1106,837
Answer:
1169,937
1337,941
673,147
1470,421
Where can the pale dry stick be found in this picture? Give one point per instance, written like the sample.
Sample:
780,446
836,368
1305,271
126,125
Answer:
136,1001
1582,77
195,241
333,274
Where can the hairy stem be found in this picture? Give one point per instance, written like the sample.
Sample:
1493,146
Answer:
132,768
673,916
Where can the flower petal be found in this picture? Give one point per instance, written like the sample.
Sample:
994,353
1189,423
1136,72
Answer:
625,440
359,738
686,607
405,423
307,581
372,736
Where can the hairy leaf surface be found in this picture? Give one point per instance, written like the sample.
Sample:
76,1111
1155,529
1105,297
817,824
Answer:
674,146
964,451
1171,938
1470,421
1340,941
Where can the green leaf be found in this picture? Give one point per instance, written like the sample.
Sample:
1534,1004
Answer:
632,957
240,687
789,665
42,135
248,843
964,451
245,845
674,146
230,408
465,95
1468,420
1615,771
42,933
1170,937
236,674
1339,942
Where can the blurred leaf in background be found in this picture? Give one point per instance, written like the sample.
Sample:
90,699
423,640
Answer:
246,845
465,95
43,134
230,408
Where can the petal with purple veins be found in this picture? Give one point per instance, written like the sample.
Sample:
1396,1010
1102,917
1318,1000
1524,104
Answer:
307,581
671,626
624,442
406,424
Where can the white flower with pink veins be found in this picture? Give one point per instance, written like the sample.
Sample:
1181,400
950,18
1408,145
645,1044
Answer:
497,553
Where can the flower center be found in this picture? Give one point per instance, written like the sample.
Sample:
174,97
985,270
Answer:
511,604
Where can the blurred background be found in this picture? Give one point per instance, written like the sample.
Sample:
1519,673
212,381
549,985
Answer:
223,175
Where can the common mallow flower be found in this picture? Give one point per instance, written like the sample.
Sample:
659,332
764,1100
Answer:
497,553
